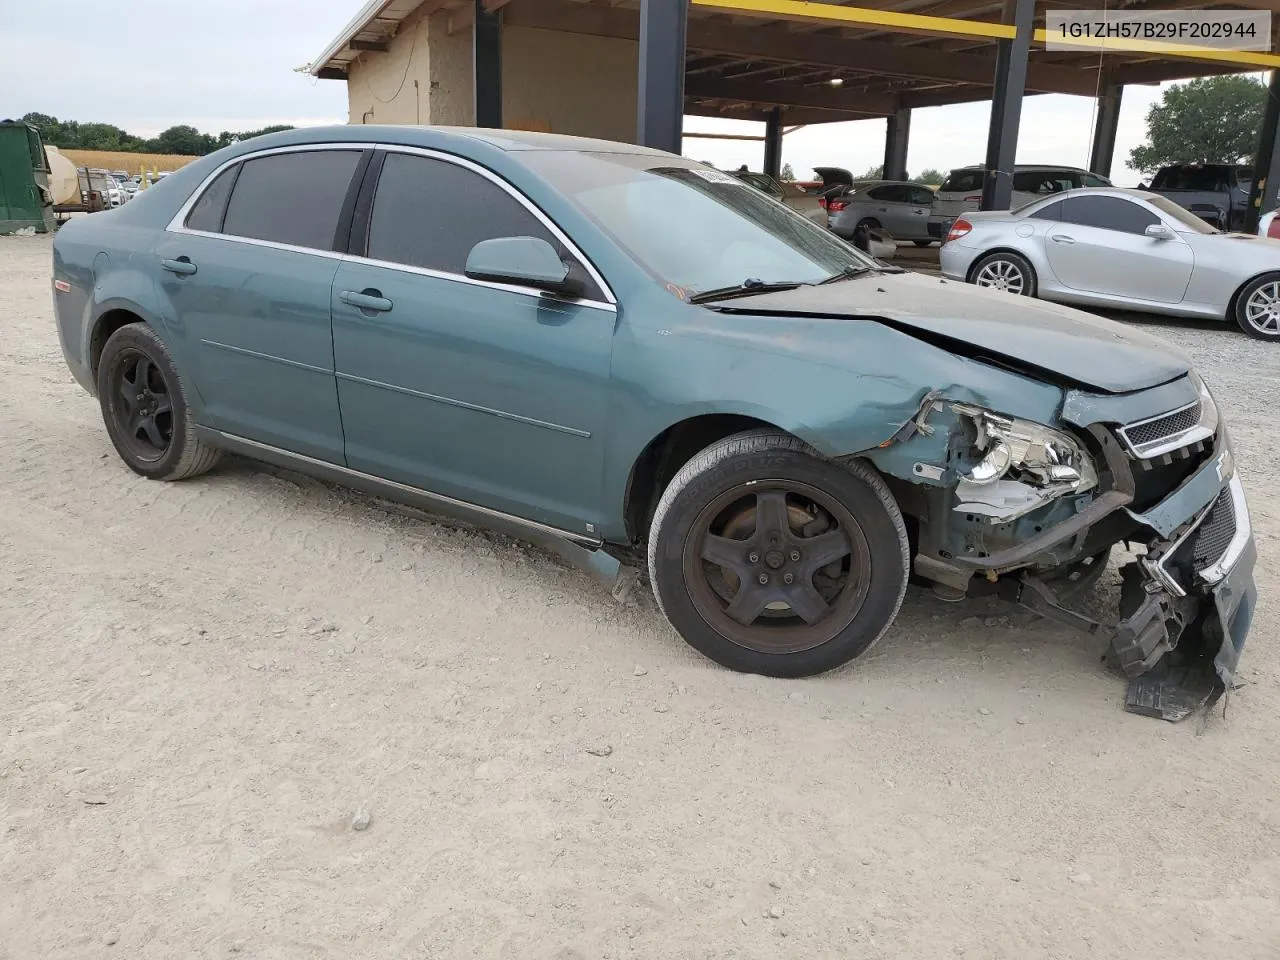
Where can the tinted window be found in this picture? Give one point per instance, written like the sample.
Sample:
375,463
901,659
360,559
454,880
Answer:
889,193
1109,213
293,198
430,213
206,213
922,196
963,180
1050,211
1093,180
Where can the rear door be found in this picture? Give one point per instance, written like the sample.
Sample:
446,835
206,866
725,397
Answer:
1100,247
247,275
890,204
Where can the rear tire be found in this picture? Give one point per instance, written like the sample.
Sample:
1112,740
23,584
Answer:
1257,308
1004,271
768,558
145,408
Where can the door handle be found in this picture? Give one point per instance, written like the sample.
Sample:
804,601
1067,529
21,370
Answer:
1062,238
180,265
369,300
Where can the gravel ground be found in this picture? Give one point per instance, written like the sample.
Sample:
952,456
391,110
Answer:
207,685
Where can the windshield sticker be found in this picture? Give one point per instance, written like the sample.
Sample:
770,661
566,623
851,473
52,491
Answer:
715,176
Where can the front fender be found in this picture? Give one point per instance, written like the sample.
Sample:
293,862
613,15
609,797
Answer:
842,386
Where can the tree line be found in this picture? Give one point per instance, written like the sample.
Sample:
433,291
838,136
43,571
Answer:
182,139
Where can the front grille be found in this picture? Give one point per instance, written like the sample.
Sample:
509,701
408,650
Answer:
1214,534
1152,432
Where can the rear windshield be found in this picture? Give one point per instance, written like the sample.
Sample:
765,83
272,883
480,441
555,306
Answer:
963,180
1190,178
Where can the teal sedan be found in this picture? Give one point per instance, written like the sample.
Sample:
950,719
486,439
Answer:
638,360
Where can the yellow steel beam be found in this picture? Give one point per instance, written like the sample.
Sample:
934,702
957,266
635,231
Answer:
831,14
1253,58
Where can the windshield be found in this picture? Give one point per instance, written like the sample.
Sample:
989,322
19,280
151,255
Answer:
1186,221
693,227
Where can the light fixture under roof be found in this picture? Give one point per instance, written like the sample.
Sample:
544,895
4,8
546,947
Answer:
836,81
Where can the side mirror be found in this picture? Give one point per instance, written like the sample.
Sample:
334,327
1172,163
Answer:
526,261
1158,231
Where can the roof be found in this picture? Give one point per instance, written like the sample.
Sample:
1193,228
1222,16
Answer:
438,137
823,61
371,28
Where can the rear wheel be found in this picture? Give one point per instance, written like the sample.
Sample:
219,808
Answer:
1004,271
145,409
770,559
1258,307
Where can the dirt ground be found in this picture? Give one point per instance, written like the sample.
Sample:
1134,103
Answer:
201,683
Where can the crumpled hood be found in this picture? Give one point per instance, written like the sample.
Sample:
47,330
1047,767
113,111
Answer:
1078,346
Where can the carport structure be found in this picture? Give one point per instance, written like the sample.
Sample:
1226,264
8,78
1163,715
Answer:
789,62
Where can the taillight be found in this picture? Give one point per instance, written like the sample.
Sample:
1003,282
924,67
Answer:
835,206
822,202
959,228
976,198
1273,228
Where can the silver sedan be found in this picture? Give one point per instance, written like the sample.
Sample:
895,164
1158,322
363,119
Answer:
1124,249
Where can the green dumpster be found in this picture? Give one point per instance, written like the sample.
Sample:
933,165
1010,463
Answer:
25,200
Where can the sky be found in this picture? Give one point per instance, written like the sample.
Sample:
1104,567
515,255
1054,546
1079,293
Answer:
231,65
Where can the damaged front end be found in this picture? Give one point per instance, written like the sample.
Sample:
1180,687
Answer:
1030,512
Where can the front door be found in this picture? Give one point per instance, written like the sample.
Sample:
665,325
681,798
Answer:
1100,247
247,282
487,393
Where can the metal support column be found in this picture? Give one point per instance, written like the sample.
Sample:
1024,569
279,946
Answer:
1006,105
660,104
773,144
1265,195
896,136
486,55
1104,129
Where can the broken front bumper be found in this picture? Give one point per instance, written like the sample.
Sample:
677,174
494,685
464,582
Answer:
1189,603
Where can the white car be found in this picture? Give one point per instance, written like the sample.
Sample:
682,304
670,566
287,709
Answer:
961,192
1126,249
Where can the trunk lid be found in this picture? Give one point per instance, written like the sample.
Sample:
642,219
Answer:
1064,344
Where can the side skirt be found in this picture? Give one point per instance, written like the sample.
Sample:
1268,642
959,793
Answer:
582,552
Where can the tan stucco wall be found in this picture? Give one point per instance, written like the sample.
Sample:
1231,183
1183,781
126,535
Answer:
569,83
561,82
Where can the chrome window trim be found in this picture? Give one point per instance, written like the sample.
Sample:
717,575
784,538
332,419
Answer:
1156,448
178,224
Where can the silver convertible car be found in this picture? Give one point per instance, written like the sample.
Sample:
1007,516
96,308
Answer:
782,429
1120,248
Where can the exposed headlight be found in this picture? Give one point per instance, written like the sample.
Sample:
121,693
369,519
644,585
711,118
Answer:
1021,465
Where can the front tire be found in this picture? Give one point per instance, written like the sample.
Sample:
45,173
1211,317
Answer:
768,558
1004,271
1257,309
145,408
